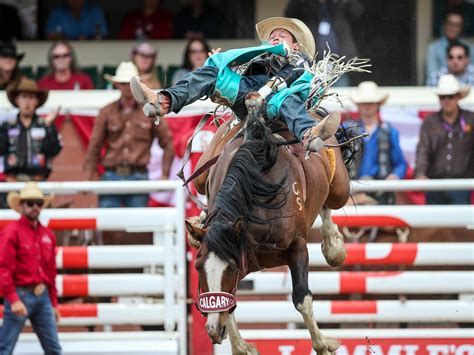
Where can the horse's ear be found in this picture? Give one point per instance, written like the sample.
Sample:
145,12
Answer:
238,224
195,232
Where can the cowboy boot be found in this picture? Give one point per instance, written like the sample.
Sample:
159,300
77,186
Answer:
152,100
314,137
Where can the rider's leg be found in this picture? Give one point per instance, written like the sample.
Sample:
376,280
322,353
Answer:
192,87
312,133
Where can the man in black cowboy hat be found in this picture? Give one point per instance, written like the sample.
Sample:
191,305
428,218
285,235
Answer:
28,142
9,59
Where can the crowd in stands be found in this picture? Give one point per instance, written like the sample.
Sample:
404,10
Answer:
443,136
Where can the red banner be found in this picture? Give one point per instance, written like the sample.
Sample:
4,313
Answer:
402,346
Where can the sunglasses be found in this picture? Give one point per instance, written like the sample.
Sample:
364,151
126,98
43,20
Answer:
195,51
458,57
59,56
446,97
31,203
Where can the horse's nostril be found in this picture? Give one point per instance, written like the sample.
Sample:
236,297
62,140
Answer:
223,332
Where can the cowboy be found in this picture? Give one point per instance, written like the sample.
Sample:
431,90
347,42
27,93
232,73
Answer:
27,141
10,74
446,144
127,135
382,157
290,46
28,273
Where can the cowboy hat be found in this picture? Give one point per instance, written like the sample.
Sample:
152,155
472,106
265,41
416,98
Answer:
144,48
124,73
297,28
368,92
449,85
8,49
31,191
27,85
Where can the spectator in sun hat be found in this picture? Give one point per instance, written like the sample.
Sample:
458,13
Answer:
28,273
144,55
127,135
446,144
28,142
10,74
382,157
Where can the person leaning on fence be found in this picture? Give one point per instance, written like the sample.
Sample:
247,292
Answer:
382,157
290,45
127,135
28,273
446,144
28,142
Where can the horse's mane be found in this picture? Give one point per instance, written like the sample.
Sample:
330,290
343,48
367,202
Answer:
245,187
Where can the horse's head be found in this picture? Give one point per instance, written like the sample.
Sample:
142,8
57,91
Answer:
218,277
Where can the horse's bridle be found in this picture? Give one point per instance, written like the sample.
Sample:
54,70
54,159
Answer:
207,302
217,302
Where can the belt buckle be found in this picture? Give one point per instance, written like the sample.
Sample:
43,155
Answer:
123,170
39,289
23,178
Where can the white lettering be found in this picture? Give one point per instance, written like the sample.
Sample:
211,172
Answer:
402,349
286,349
218,302
438,349
465,350
411,349
342,350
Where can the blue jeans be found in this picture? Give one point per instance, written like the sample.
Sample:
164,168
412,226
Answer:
448,197
41,315
202,82
139,200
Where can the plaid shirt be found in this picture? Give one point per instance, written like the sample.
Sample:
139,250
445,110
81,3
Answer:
466,79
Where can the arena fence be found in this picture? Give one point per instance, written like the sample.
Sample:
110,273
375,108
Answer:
167,272
168,255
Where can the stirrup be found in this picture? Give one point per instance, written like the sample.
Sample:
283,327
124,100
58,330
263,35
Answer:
314,137
151,99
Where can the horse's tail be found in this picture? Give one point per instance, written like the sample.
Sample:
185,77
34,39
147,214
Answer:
352,152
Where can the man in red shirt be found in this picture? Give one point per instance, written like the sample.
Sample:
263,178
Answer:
149,22
28,273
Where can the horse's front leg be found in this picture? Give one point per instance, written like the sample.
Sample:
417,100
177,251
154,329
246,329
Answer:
303,298
239,345
333,241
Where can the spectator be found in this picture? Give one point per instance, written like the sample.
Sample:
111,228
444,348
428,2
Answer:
76,19
127,135
198,19
11,23
436,56
144,56
458,65
28,142
28,273
63,72
445,148
150,22
10,73
195,55
382,157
